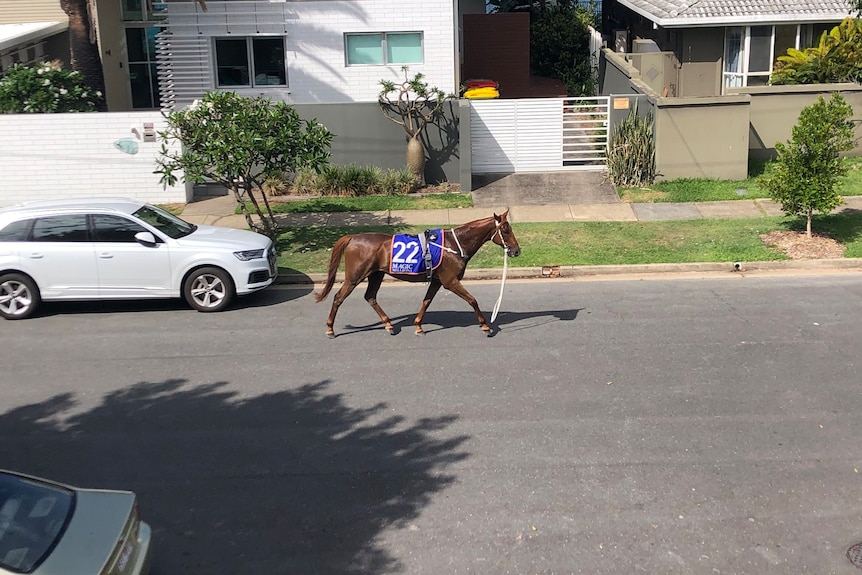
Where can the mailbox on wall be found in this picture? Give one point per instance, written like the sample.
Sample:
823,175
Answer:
149,132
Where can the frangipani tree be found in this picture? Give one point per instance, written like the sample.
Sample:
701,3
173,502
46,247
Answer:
46,88
239,142
412,104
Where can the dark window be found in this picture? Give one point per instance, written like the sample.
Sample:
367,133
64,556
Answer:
16,231
115,229
143,73
251,61
68,228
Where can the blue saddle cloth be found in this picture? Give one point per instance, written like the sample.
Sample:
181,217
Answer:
407,256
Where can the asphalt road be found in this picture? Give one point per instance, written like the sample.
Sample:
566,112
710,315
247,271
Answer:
661,426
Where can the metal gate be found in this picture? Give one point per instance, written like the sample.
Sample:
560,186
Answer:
539,134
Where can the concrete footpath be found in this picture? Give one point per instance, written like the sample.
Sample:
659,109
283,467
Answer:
220,211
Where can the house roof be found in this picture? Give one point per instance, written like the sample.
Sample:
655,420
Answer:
702,13
12,35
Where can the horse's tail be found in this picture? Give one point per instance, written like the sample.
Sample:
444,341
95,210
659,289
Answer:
334,261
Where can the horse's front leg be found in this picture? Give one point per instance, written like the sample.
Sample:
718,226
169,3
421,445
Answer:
458,289
433,288
374,281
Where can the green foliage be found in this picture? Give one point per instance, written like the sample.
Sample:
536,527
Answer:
631,152
45,87
836,58
560,45
354,181
806,176
239,142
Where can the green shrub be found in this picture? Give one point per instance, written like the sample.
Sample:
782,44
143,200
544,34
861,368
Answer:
836,58
631,153
352,181
45,87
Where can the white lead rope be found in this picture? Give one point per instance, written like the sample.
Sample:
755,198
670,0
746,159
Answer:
502,284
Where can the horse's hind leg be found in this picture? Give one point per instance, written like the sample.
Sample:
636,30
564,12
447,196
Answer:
429,296
341,295
374,281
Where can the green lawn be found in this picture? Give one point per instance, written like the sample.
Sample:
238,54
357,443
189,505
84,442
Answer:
702,190
603,243
594,243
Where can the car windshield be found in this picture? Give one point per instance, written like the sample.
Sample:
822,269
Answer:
33,516
164,221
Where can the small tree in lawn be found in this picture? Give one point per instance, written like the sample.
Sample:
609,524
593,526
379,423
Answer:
805,177
239,142
412,104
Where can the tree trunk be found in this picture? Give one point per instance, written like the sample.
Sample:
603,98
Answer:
416,159
808,224
83,47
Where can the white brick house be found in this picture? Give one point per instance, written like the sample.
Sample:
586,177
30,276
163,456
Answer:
324,51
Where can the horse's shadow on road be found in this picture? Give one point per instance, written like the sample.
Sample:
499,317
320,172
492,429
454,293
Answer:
508,321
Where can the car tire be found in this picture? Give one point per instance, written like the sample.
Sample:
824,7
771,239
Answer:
208,289
19,296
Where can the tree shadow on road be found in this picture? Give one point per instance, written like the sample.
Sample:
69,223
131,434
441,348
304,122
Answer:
290,482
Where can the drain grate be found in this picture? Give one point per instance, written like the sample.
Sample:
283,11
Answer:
854,554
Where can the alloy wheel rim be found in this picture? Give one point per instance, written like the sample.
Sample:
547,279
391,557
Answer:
15,298
208,291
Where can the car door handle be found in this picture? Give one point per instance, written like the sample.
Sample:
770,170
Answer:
106,256
36,256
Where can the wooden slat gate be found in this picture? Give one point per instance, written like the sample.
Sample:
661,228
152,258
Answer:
539,134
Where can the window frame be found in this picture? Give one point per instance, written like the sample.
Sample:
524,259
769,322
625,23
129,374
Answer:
744,74
384,48
249,55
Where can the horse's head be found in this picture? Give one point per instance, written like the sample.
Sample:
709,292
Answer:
504,236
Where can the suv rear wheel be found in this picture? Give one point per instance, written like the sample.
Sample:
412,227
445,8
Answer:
208,289
19,296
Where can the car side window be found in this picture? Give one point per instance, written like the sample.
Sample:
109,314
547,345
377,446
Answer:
65,228
109,228
16,231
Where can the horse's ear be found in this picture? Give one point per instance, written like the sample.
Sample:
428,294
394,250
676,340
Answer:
502,216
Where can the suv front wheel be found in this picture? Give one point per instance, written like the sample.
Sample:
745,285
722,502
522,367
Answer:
208,289
19,296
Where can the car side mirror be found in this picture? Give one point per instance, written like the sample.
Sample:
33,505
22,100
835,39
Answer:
146,238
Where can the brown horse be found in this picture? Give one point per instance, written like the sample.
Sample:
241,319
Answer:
368,256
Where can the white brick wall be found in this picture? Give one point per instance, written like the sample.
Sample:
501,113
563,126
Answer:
316,67
45,156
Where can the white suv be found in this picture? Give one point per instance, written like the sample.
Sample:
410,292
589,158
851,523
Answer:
117,248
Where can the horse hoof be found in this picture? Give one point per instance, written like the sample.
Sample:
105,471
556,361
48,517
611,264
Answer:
330,335
390,331
420,333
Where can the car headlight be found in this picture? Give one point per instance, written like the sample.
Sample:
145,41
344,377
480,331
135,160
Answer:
249,255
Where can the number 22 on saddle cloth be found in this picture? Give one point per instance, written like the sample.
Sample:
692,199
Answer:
409,255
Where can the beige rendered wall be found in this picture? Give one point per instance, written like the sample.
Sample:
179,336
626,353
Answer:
775,110
700,55
702,137
115,61
22,11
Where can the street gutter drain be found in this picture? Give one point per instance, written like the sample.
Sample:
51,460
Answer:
854,554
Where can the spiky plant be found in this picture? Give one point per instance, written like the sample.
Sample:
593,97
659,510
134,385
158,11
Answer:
631,152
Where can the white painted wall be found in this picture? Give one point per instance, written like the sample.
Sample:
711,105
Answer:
316,67
46,156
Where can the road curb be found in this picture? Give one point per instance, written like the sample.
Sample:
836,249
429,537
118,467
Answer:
574,272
